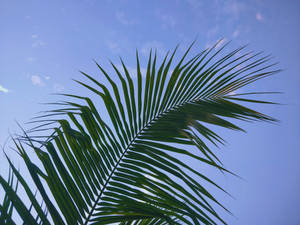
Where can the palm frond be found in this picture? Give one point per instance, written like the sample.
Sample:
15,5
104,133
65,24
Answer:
128,169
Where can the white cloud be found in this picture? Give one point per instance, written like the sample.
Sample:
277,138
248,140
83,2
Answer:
31,59
122,18
259,16
36,80
34,36
3,89
235,33
47,77
58,87
38,43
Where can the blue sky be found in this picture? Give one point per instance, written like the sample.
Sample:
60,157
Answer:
44,45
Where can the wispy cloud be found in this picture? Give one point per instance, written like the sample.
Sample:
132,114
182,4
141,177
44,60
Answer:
123,19
259,16
47,77
37,80
3,89
58,87
38,43
30,59
235,33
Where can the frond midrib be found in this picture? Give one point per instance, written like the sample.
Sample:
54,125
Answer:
148,124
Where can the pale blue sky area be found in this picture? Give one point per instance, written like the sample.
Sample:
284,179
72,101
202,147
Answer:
43,45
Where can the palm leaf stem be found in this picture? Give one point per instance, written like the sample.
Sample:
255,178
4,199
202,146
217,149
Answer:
149,123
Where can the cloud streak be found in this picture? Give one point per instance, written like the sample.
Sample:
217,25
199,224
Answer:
259,16
30,59
3,89
235,33
37,81
38,43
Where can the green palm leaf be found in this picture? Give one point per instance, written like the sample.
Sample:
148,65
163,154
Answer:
128,169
